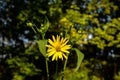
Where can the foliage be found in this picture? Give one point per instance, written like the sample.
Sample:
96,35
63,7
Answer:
117,77
84,73
92,27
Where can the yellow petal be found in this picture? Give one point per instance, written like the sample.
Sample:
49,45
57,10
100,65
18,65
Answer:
51,50
51,42
65,51
58,38
64,43
51,53
66,47
49,46
64,56
54,57
53,38
64,40
60,55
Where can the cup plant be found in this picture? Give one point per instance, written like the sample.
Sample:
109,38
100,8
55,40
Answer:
57,48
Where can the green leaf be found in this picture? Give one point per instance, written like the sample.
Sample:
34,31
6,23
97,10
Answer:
44,27
80,57
46,24
42,47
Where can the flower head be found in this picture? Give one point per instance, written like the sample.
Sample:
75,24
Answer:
58,48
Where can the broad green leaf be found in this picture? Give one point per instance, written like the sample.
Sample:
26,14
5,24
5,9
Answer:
80,57
42,47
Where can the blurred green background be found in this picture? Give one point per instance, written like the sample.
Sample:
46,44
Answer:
95,31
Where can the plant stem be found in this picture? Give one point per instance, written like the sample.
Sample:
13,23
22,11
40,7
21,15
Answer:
46,60
64,68
43,35
47,69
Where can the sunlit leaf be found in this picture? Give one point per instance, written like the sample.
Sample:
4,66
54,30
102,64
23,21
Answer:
42,47
80,57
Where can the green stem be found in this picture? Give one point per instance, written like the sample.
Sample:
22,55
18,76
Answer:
46,60
64,68
47,69
34,30
43,35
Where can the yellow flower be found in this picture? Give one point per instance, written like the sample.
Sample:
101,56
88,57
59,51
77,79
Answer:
58,48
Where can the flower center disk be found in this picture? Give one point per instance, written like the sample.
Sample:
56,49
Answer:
58,49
